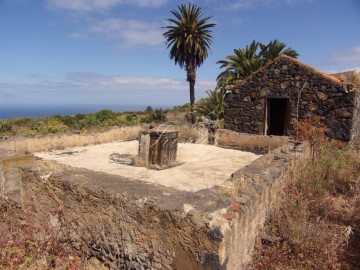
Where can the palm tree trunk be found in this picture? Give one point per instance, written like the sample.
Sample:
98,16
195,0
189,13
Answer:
192,100
191,76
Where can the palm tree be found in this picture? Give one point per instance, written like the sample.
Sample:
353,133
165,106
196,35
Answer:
239,65
189,38
212,106
246,61
274,49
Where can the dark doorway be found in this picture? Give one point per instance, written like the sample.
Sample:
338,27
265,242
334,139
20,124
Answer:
277,116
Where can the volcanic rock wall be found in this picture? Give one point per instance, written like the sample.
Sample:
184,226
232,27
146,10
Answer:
310,93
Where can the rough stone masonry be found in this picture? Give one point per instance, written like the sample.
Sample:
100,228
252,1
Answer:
307,93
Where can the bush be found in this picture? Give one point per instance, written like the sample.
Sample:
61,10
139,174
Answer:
49,125
157,115
132,119
68,120
89,120
105,116
5,126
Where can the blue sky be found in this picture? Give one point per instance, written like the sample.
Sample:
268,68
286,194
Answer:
113,52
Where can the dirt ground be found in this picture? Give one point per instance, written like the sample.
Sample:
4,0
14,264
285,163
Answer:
201,166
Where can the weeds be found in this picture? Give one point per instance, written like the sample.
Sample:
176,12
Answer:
27,243
318,221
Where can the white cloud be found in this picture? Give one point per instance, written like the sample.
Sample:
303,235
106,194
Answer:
351,56
248,4
134,82
148,3
129,32
98,5
94,88
83,5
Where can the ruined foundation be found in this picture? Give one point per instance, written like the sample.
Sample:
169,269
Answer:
132,224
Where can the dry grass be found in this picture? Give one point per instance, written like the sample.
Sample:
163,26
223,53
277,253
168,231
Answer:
317,226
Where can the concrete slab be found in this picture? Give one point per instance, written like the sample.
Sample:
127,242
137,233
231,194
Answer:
202,166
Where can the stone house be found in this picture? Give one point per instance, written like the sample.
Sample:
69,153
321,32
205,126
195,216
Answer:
273,99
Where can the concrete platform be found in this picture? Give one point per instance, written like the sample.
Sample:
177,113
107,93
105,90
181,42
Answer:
134,218
201,166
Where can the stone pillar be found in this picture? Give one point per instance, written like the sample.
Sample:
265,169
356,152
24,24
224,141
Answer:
10,176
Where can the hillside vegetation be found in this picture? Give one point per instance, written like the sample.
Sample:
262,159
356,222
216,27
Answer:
79,123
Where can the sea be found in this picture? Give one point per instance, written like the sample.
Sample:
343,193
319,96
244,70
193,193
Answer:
20,111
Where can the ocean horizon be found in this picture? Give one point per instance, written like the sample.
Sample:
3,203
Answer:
18,111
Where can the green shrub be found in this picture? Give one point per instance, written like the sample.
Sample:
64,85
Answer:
132,119
5,126
49,125
105,116
68,120
89,120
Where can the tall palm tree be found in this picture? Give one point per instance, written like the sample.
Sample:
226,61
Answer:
189,37
246,61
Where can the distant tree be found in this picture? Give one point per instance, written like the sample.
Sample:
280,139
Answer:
189,37
149,109
246,61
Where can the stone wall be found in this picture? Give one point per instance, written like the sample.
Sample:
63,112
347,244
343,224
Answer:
11,176
258,144
259,188
355,134
23,145
310,93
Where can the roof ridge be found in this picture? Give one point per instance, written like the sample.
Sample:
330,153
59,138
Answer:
323,74
283,56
